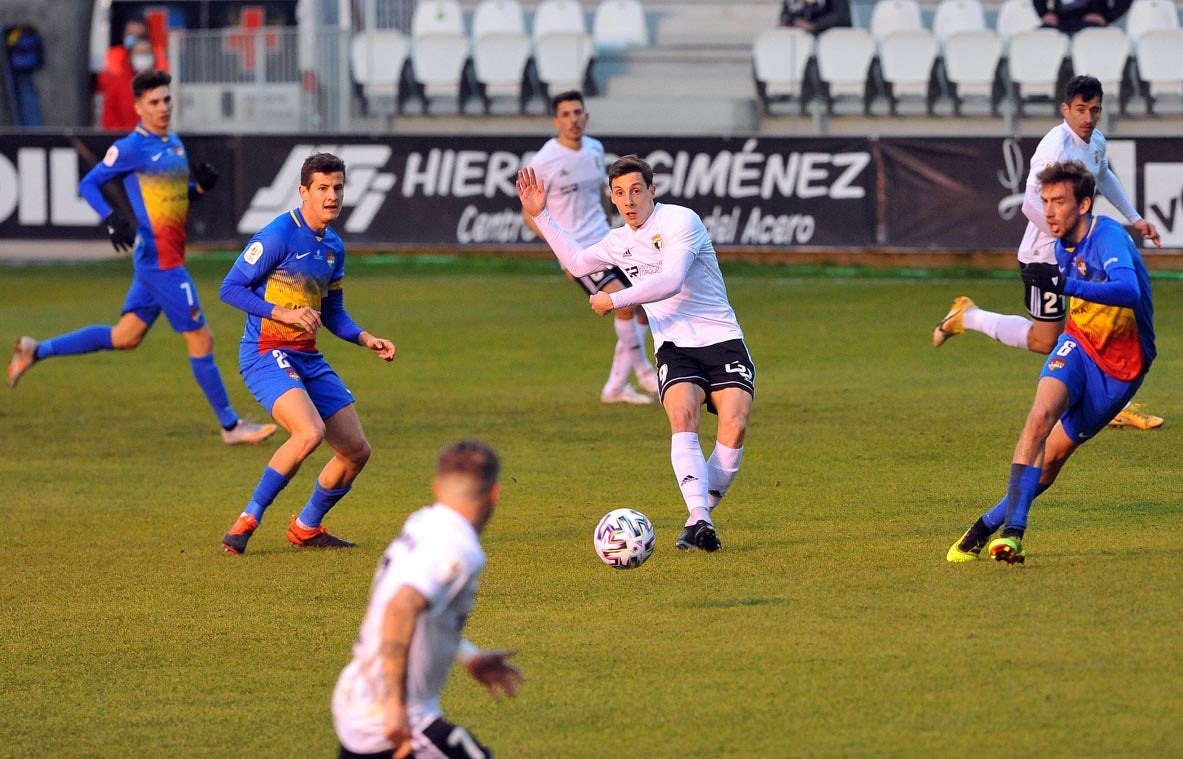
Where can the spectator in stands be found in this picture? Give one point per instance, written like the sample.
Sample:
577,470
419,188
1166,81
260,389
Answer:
815,16
1070,16
119,112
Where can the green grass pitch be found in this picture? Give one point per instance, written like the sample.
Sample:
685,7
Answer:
830,626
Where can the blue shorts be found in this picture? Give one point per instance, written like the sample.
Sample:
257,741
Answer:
171,291
1094,396
270,375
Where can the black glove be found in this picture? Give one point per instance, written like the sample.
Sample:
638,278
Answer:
205,175
121,231
1046,277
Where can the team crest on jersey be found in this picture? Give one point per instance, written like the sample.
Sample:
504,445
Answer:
111,157
1082,267
448,570
1055,364
179,150
253,252
657,242
331,258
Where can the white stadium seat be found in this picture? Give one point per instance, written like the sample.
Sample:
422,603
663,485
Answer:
561,59
376,59
971,66
1103,52
889,16
844,57
1034,60
439,51
619,25
957,16
559,16
1148,16
1160,65
779,60
500,51
1016,16
906,60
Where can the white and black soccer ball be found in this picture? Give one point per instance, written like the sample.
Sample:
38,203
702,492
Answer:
624,538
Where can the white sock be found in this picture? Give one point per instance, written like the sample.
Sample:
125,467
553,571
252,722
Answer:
722,467
621,360
640,358
690,469
1005,328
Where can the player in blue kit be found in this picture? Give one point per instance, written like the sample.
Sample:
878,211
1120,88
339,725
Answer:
1098,363
152,169
288,281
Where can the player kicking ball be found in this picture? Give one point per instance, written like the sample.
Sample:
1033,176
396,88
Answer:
667,255
1098,362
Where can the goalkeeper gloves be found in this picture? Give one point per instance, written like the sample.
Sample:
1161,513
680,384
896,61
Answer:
121,232
205,175
1046,277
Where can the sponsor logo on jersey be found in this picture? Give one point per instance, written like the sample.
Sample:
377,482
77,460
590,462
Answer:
1055,364
628,253
303,255
111,157
253,253
657,242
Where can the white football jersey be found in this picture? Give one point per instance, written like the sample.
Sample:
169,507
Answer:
439,554
574,181
1057,146
674,271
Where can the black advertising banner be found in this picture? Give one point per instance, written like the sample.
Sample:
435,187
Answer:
767,193
39,177
460,190
967,193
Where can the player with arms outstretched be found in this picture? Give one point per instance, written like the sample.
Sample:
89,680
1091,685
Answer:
289,282
571,165
1098,363
151,168
667,254
1074,139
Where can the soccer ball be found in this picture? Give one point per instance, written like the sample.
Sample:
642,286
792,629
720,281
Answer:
624,539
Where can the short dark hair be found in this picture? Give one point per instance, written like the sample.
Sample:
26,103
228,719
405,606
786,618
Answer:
629,164
1088,87
563,97
320,163
149,80
1084,184
475,459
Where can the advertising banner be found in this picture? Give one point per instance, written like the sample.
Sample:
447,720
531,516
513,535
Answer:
774,193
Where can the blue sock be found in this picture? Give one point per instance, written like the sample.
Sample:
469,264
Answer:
1020,492
210,380
85,340
265,492
319,504
997,515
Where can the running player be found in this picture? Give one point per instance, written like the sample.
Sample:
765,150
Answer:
667,254
1098,363
1074,139
387,699
288,281
571,165
151,167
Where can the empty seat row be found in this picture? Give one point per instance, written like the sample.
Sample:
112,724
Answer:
498,58
896,56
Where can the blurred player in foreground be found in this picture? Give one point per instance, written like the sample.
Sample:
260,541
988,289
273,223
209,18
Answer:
1098,363
152,170
571,166
387,700
1074,139
288,280
667,254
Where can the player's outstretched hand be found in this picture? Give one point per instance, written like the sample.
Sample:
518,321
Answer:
491,669
205,175
1044,276
121,231
531,191
1148,232
385,349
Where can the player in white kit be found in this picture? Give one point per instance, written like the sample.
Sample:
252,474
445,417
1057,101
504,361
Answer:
387,700
1074,139
667,254
571,165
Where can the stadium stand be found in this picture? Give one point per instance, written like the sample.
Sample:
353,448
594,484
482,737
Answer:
562,48
1160,66
439,52
619,25
377,58
780,59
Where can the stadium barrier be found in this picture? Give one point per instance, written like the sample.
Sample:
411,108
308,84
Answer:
764,195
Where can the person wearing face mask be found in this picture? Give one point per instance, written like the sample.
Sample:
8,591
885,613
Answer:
124,61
